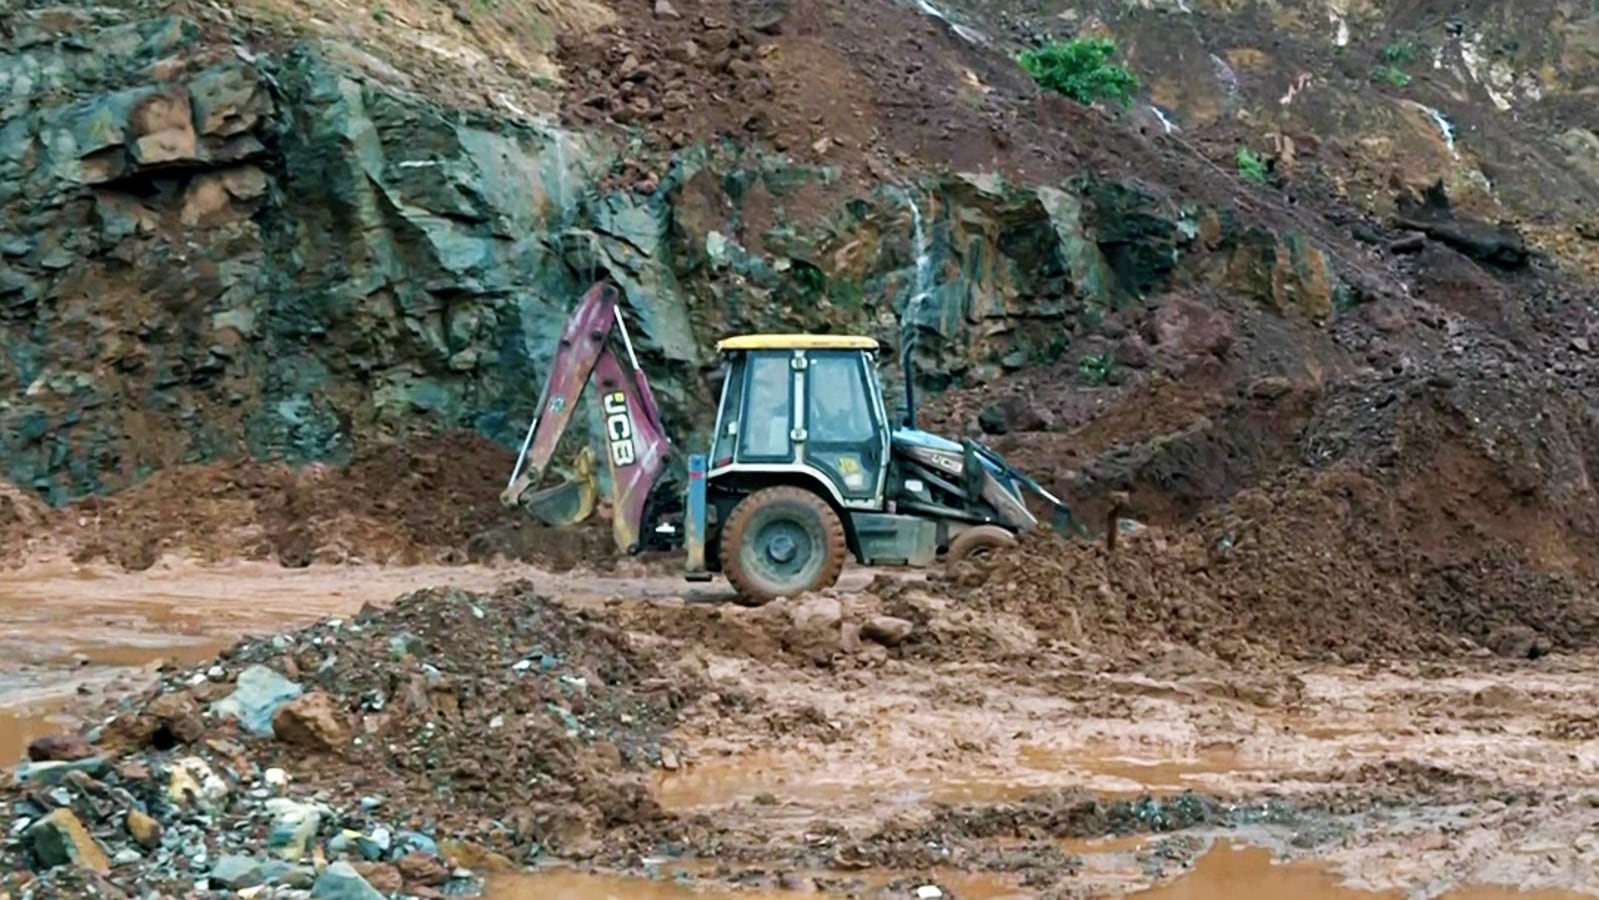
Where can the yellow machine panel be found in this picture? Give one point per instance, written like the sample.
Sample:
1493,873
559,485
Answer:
796,342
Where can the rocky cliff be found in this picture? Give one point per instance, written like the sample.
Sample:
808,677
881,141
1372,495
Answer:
249,233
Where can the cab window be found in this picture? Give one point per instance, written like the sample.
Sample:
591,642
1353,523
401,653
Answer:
837,409
766,410
732,402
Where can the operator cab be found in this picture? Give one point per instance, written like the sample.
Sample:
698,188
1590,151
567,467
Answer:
806,405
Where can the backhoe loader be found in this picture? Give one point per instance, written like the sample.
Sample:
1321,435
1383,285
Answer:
804,467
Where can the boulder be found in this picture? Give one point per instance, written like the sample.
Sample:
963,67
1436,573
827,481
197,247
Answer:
64,747
1188,329
234,872
313,721
145,831
59,839
889,631
258,694
340,881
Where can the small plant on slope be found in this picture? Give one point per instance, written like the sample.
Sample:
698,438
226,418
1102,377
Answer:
1252,167
1395,57
1081,69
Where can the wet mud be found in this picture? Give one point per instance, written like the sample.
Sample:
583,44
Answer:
1226,871
745,734
75,630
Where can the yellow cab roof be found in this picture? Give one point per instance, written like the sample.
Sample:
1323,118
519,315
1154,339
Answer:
796,342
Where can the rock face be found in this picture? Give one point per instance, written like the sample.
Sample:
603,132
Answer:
206,254
1489,99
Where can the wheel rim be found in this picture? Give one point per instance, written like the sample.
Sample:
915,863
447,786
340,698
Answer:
783,552
983,550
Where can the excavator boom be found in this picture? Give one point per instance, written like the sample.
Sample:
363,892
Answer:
636,447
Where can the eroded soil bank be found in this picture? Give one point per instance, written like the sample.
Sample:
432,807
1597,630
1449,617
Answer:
889,736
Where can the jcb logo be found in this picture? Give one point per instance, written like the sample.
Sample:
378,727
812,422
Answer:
619,429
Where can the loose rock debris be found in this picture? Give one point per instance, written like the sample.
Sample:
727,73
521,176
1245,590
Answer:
411,749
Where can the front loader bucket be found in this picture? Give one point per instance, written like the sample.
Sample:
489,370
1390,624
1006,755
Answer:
570,502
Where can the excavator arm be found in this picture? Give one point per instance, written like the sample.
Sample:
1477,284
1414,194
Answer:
637,449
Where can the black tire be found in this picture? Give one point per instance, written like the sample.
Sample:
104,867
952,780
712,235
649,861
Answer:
781,542
978,542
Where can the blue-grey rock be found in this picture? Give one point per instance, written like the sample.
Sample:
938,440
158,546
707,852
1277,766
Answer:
283,874
375,846
234,872
340,881
407,842
52,773
406,644
294,825
258,693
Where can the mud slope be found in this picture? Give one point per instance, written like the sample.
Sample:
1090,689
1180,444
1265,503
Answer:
1485,97
429,500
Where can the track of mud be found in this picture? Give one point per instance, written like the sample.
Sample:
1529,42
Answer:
816,743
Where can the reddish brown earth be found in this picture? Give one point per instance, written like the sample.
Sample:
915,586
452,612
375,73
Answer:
1355,611
989,746
431,500
882,91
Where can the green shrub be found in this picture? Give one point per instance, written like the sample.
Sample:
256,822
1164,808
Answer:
1095,370
1252,167
1397,77
1399,53
1081,69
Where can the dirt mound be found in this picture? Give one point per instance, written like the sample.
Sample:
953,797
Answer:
19,512
1330,568
435,499
506,721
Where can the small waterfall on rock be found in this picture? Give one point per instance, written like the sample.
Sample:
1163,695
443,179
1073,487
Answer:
564,200
1446,128
910,323
1165,120
911,319
1228,78
966,32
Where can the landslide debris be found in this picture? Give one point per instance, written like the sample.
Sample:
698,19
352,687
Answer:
451,732
433,499
1328,568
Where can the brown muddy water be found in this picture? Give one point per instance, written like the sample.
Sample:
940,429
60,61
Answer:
1226,872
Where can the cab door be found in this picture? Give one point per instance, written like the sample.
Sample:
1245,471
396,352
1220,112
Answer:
845,439
766,427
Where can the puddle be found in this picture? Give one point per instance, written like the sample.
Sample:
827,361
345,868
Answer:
1231,872
62,614
20,727
805,782
1112,771
63,627
563,885
1105,846
58,614
800,781
1227,872
581,886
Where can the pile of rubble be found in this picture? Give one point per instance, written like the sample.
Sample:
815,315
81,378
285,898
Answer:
412,749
